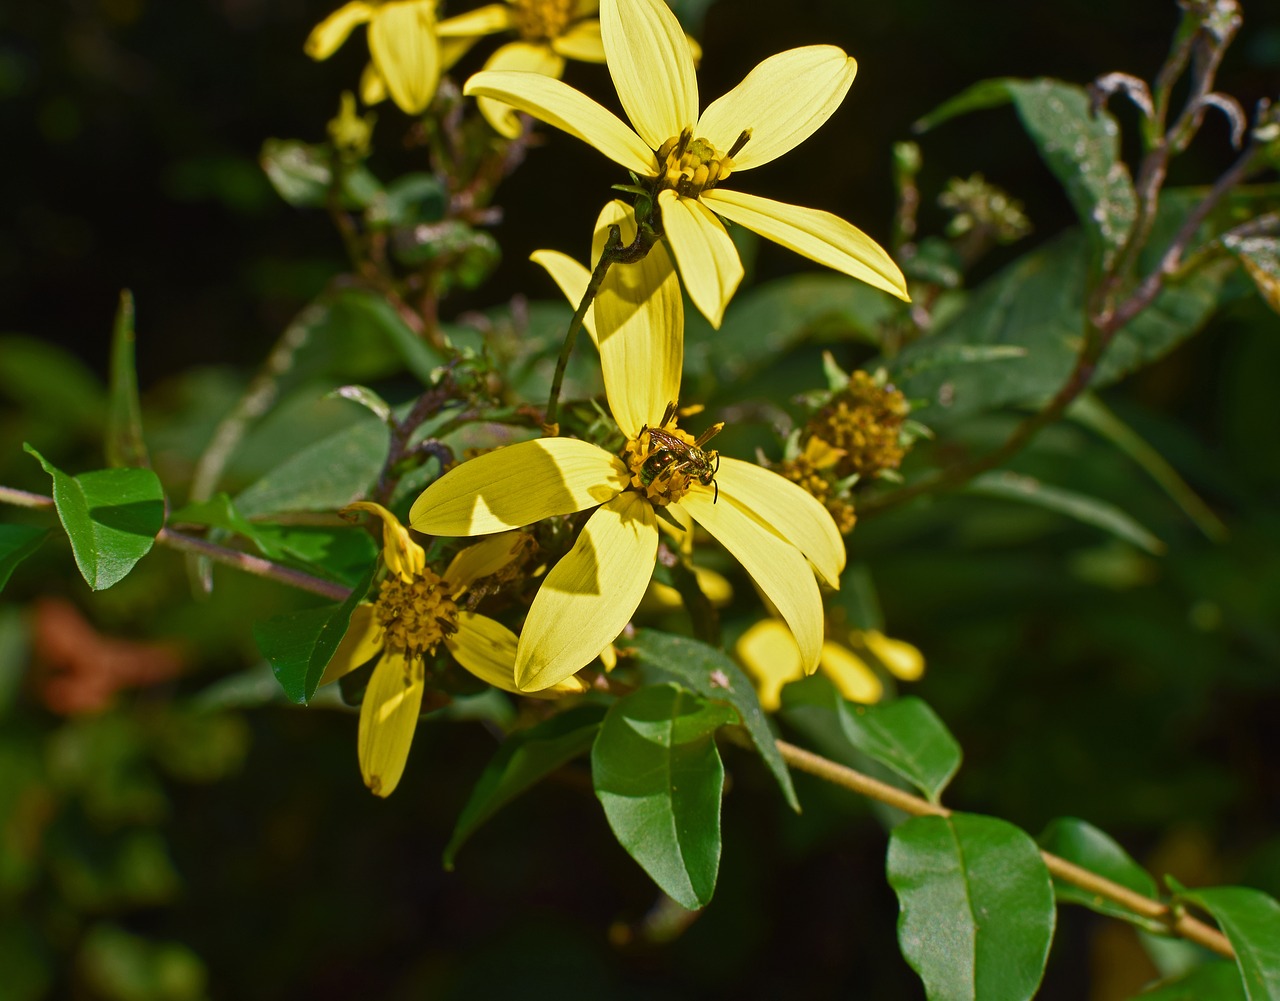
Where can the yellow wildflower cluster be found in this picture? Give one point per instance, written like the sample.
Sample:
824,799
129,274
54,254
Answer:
864,422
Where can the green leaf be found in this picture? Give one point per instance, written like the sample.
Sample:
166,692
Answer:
17,542
111,516
1080,145
302,175
714,675
905,735
1086,846
1016,487
658,775
1251,921
51,382
219,511
1260,257
524,759
368,399
409,200
324,476
1214,981
299,645
976,906
124,444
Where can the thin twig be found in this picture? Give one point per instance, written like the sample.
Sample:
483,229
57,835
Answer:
1177,921
24,498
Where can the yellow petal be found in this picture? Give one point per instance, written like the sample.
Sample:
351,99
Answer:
558,104
850,673
651,66
591,593
664,598
327,36
639,317
360,644
484,558
901,659
794,513
779,569
453,49
372,88
572,278
585,8
783,101
388,718
708,260
516,57
818,235
403,557
484,20
488,650
402,41
769,653
518,485
582,42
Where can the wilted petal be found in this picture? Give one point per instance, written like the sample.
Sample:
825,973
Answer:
792,512
818,235
518,485
485,20
769,653
488,650
783,101
651,66
582,42
388,718
327,36
850,673
779,569
360,644
708,260
639,317
572,279
402,41
558,104
403,557
516,57
591,593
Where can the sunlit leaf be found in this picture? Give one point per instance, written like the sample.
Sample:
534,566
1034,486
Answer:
658,775
976,906
111,516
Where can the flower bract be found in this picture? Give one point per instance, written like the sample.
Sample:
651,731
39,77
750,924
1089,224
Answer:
686,155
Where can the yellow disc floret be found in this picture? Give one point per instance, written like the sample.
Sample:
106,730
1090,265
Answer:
666,463
415,615
541,20
864,421
690,166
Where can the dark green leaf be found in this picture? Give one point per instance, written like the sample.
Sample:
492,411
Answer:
220,512
1090,510
1086,846
1080,145
49,381
905,735
111,516
368,399
1260,257
302,175
17,542
367,315
525,758
124,445
410,200
1214,981
976,906
300,644
1251,921
322,477
714,675
658,775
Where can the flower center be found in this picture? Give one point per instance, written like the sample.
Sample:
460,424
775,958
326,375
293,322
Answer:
864,421
690,166
417,615
541,20
665,462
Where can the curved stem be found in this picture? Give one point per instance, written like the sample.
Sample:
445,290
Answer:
1178,922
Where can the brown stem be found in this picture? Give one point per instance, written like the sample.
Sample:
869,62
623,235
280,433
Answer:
1178,922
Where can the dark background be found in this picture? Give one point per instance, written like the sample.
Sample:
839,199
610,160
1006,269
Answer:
130,131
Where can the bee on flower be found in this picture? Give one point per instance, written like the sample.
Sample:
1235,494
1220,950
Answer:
415,612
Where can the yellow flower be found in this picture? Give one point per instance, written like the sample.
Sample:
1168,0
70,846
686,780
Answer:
407,59
780,534
550,31
772,659
416,611
686,156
